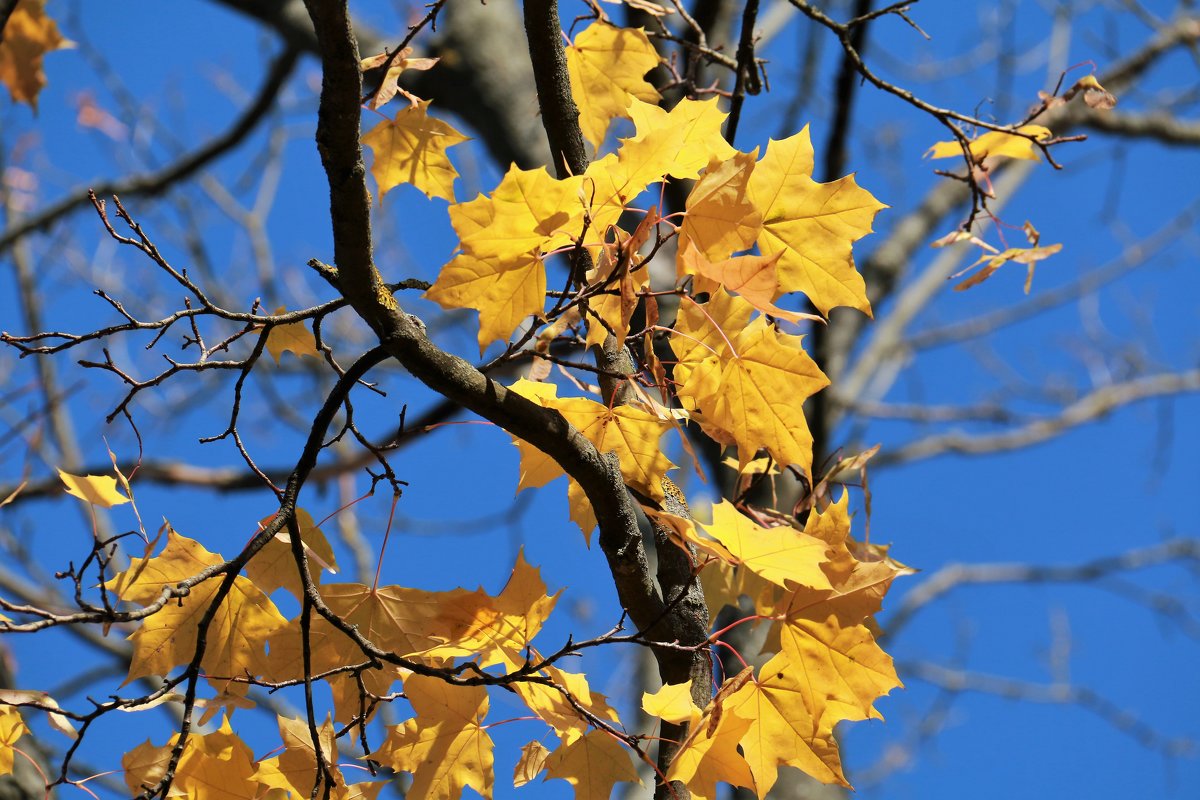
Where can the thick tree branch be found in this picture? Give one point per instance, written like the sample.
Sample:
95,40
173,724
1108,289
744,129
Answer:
685,617
405,340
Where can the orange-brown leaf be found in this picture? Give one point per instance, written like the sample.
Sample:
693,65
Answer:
28,36
720,217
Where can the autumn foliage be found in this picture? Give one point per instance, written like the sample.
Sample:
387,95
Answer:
757,232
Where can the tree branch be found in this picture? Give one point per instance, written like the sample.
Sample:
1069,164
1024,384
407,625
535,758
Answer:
156,183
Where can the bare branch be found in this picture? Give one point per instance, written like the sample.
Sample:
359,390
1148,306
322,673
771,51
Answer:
1088,408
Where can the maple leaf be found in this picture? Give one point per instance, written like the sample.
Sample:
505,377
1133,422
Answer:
498,629
607,65
997,144
782,728
236,635
552,706
812,225
840,670
630,432
673,703
394,618
99,490
750,384
445,747
530,764
525,214
710,752
411,148
291,336
753,278
611,183
826,632
293,772
273,567
505,291
720,218
28,36
779,555
593,764
214,766
686,138
12,728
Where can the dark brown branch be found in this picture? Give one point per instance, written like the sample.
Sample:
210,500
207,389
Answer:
685,620
560,116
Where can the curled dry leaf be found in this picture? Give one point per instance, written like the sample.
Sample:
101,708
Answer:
389,85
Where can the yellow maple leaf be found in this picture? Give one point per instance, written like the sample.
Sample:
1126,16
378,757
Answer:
844,669
214,766
673,703
293,772
748,380
411,148
782,729
273,567
28,36
686,138
683,531
607,66
997,143
505,291
445,747
528,212
99,490
812,225
295,769
552,706
12,728
754,278
593,764
678,143
497,629
292,337
329,649
394,618
779,555
237,634
720,218
710,752
611,183
630,432
530,764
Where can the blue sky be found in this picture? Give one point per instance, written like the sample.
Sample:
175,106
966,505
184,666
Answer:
1126,481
